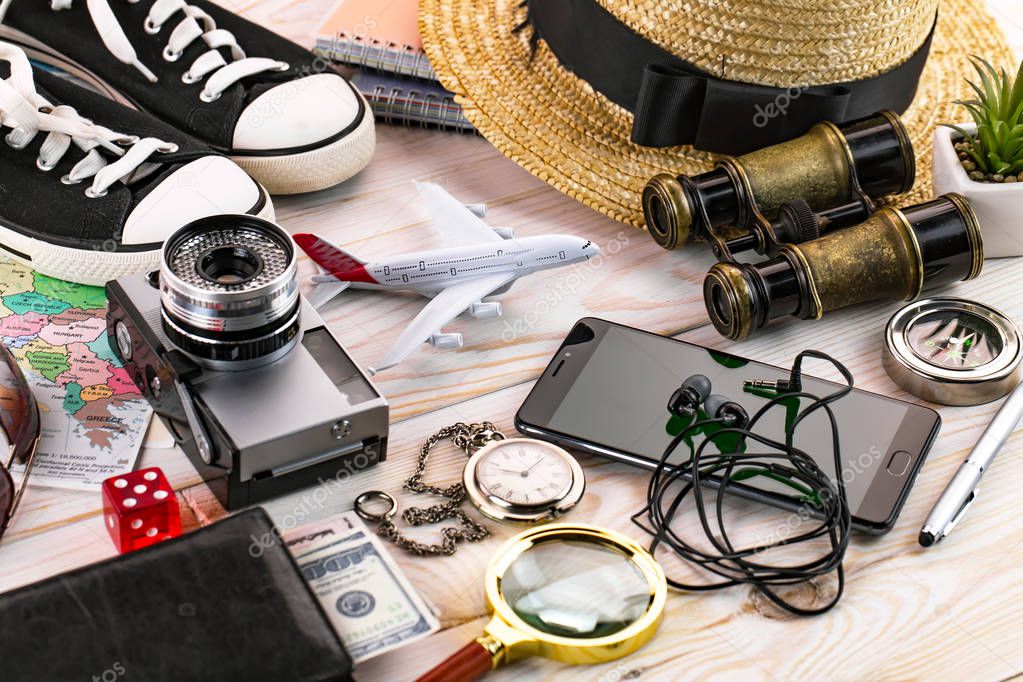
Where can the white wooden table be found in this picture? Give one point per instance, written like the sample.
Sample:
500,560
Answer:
946,612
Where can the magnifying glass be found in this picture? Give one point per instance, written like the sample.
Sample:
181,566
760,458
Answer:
570,592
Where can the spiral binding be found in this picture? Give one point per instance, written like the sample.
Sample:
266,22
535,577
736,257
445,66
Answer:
406,60
410,108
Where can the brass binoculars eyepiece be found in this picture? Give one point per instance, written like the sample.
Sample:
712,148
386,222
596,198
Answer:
893,254
830,166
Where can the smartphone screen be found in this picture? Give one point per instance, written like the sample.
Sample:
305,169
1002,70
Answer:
609,385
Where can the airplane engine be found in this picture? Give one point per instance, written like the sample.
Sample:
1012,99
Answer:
446,341
504,232
485,311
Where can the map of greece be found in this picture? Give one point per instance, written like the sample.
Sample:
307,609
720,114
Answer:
93,417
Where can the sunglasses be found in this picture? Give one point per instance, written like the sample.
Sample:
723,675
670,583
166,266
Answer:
19,423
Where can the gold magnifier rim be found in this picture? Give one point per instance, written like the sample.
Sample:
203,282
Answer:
597,649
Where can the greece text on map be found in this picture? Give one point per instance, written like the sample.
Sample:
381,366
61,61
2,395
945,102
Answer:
93,417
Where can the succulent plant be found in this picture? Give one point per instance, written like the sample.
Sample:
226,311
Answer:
997,146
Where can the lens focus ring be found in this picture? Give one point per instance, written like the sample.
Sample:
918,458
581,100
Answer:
231,351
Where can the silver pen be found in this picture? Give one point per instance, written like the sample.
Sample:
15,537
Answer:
961,491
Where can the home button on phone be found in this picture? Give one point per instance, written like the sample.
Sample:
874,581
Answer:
898,463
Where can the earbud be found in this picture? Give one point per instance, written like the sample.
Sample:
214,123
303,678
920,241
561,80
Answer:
695,391
730,412
688,397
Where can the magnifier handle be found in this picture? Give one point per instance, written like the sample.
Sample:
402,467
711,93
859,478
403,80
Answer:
469,663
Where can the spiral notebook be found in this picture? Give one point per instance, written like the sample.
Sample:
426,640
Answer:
379,34
410,102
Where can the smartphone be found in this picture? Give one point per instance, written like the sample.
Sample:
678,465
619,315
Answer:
606,391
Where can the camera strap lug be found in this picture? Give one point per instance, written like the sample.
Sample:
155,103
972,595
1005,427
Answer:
183,368
202,440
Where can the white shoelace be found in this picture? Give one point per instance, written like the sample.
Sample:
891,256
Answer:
195,24
29,113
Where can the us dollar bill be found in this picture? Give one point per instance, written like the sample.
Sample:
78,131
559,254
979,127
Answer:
312,537
370,602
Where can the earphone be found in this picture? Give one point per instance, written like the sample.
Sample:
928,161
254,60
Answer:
688,397
728,411
696,391
722,457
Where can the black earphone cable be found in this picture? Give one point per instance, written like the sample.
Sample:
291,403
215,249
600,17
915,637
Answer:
828,503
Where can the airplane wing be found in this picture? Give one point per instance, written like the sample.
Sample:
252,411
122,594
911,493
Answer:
457,224
325,291
441,309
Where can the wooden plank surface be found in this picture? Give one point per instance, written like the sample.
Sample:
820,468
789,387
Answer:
907,613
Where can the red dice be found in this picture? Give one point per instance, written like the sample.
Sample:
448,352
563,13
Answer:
140,508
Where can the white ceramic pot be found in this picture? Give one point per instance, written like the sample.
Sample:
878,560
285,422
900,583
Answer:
999,207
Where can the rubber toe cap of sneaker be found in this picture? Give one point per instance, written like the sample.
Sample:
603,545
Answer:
298,113
208,186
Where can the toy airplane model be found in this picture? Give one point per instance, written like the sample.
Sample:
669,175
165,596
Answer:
479,262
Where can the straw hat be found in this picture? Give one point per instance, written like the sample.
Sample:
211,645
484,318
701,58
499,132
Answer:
555,124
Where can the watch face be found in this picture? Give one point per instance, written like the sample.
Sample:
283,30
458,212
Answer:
954,339
524,472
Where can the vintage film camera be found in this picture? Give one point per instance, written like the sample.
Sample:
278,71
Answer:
258,392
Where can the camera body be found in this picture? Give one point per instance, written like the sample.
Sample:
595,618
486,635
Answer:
304,414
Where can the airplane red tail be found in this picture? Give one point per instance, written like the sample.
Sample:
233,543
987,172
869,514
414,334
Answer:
333,259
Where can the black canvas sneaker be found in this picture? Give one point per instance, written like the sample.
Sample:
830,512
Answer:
276,109
89,189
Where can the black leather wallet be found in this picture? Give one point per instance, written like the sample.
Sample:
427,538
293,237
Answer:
226,602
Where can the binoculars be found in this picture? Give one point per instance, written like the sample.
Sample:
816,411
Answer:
811,207
893,254
855,163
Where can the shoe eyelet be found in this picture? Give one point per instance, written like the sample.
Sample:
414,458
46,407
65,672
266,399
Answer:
169,55
206,97
188,79
44,167
45,110
282,66
89,192
127,140
66,179
168,148
149,27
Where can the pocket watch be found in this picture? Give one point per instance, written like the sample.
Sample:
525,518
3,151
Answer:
508,479
523,479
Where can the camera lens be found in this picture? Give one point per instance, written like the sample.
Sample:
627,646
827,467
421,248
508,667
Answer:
230,265
229,291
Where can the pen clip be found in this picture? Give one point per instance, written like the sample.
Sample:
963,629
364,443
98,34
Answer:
961,513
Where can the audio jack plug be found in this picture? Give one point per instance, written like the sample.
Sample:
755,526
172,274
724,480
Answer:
779,386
